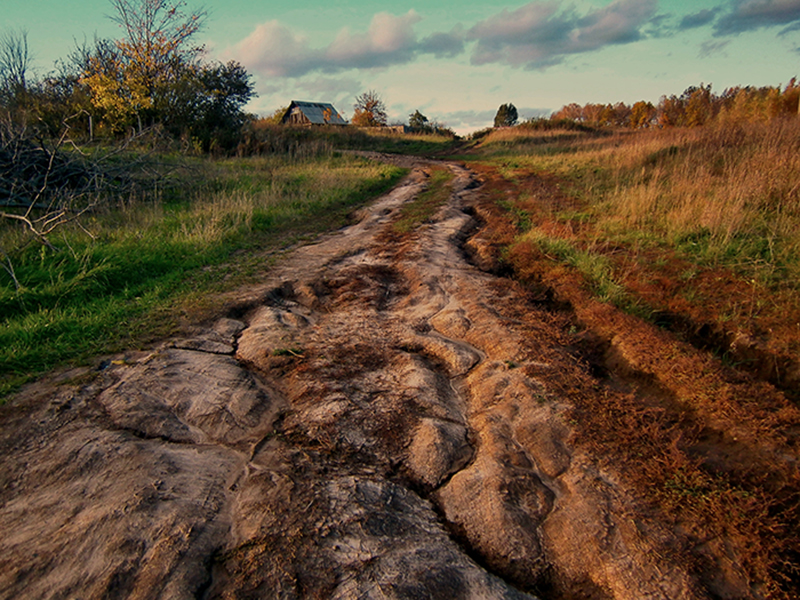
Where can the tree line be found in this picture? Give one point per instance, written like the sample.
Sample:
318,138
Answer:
696,106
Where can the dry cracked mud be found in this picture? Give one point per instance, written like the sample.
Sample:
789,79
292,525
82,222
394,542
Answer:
375,421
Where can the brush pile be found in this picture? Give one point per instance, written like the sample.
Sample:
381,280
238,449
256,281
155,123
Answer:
42,176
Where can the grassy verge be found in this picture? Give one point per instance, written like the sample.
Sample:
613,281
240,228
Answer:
264,138
703,222
722,196
154,258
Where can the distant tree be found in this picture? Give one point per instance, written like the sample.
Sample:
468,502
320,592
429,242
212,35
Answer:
698,105
370,111
573,112
14,58
506,116
224,90
642,115
276,117
671,111
14,64
418,122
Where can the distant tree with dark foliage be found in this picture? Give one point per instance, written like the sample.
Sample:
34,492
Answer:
370,110
506,116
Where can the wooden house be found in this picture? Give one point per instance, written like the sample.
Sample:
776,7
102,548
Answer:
312,113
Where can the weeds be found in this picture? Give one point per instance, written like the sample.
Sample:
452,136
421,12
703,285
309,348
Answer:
420,210
701,221
262,138
596,269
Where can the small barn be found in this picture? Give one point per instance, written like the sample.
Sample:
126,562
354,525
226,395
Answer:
312,113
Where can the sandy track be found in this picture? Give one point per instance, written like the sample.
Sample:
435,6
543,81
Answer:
367,424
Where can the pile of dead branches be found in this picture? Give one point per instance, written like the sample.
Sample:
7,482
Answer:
45,184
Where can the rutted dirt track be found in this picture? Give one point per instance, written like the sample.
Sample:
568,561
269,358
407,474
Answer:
377,421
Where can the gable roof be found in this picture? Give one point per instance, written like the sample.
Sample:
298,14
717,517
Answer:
316,113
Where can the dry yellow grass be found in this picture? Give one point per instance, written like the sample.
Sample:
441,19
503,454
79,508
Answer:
728,193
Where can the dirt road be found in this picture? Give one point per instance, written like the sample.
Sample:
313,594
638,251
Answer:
378,420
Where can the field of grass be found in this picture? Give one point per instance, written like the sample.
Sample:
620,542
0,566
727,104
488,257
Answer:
151,259
704,221
265,138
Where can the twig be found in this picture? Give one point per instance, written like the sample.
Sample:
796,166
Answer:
9,268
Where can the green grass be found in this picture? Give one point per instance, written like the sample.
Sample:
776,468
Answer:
596,269
156,257
420,210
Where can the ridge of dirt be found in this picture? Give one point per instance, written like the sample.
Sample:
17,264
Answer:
382,418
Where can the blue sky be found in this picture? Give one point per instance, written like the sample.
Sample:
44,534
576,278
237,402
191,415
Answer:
458,60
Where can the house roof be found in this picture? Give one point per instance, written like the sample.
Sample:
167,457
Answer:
318,113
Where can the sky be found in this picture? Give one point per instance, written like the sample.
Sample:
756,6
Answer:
456,61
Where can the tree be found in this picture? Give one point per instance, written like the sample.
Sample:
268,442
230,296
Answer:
418,122
134,79
642,115
216,116
14,62
699,105
370,111
573,112
14,58
506,116
276,117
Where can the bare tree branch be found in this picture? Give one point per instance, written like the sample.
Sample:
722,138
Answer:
14,60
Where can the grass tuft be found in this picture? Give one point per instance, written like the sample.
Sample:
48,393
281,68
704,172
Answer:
421,209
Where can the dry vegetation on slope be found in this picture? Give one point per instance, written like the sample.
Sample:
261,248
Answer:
672,254
693,229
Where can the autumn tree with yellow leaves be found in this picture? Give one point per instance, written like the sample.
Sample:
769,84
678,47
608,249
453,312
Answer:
154,75
134,80
370,110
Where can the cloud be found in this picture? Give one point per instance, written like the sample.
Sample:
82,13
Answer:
698,19
749,15
711,47
467,120
274,50
538,34
389,40
443,45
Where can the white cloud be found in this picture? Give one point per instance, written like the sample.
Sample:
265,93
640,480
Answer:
389,40
538,34
273,49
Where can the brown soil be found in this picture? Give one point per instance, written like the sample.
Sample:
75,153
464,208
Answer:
388,416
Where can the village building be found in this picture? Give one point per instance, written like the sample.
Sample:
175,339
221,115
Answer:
312,113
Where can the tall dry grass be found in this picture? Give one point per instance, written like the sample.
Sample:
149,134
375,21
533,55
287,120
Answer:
734,190
728,194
